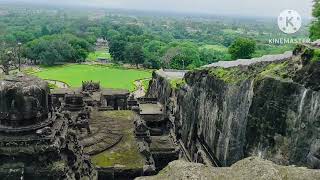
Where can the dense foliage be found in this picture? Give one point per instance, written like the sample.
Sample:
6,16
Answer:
57,48
242,48
315,28
49,36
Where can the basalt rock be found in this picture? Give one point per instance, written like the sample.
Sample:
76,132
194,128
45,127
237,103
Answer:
35,141
269,108
249,168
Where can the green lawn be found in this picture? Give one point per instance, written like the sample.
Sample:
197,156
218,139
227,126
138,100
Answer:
109,77
98,54
215,47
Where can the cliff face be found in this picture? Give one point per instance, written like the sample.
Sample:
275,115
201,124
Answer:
270,109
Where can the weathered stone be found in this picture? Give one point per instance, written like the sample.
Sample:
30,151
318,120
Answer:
270,108
34,145
249,168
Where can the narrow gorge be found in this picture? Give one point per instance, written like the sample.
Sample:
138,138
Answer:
269,108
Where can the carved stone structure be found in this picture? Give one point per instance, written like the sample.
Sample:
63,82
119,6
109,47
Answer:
152,129
90,86
35,142
74,102
93,95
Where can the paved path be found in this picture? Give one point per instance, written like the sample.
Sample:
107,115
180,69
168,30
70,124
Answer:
171,74
246,62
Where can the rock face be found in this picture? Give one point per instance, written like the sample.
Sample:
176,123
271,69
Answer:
249,168
270,109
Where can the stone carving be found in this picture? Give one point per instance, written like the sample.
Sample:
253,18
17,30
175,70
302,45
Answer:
44,132
36,135
90,86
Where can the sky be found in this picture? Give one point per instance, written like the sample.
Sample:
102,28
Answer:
268,8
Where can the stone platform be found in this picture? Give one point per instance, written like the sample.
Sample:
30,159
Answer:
105,133
122,160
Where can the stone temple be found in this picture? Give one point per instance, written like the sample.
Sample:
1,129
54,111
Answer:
79,133
96,133
37,142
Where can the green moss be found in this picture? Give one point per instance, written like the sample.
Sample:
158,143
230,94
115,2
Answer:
126,153
127,158
276,70
177,83
52,86
316,55
145,84
57,166
232,75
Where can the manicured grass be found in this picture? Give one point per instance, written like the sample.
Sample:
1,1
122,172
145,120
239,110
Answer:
109,77
98,54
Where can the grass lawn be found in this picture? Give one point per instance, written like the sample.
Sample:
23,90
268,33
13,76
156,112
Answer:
98,54
109,77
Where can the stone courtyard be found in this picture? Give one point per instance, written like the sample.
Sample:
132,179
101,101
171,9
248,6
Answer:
125,137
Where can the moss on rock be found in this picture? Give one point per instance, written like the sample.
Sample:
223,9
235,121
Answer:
177,83
125,154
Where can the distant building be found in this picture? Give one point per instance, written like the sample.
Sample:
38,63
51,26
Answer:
102,43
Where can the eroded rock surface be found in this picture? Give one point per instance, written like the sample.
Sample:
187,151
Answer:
249,168
270,108
35,141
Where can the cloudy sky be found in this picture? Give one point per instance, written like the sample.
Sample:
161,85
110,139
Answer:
223,7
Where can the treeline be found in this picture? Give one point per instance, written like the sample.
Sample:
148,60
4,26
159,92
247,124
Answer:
52,49
130,44
315,28
51,36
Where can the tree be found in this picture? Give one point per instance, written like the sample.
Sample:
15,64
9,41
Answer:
134,54
242,48
315,28
210,55
57,48
7,58
152,52
117,47
183,55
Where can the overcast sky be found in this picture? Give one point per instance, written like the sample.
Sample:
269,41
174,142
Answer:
223,7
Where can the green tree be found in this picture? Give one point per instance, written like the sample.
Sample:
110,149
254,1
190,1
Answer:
242,48
134,54
183,55
57,48
7,58
315,28
117,47
152,52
